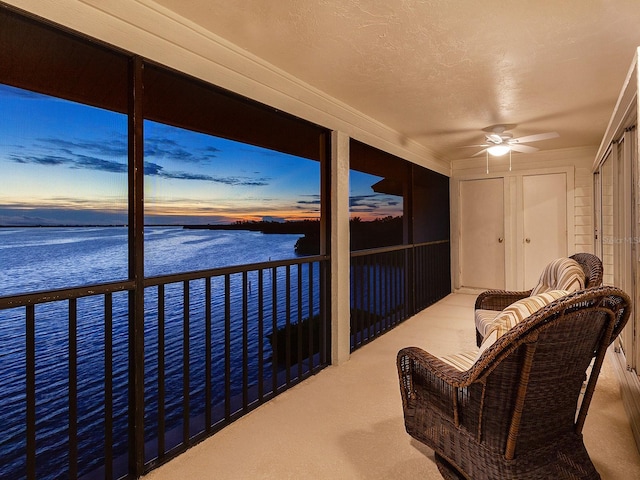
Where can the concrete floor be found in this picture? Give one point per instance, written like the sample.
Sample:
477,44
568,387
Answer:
346,422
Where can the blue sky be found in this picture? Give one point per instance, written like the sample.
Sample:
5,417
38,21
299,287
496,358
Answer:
66,163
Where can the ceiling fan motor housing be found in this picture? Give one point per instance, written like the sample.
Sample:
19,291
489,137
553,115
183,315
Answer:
499,138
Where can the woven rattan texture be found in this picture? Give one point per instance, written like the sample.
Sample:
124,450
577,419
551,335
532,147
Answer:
518,412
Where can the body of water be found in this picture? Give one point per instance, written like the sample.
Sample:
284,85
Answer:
38,259
34,259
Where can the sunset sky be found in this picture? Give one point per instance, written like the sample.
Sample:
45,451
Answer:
66,163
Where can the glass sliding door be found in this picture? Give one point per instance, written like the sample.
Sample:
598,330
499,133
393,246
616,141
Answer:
617,228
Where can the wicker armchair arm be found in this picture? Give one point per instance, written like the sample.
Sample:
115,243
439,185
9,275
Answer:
498,299
427,380
415,362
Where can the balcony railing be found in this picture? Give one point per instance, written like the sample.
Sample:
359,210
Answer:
389,285
217,344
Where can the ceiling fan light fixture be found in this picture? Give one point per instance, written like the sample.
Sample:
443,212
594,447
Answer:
498,150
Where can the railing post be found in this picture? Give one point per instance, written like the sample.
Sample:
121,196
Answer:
411,280
31,391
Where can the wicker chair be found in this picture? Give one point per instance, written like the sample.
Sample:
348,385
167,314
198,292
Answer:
498,300
518,412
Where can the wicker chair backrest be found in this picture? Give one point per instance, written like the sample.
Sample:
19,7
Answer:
592,267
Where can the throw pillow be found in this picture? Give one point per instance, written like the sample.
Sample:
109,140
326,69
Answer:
562,274
516,312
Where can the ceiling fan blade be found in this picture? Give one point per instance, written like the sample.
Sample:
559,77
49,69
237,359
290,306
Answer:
523,148
479,153
479,145
534,138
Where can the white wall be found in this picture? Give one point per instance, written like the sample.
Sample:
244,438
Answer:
576,161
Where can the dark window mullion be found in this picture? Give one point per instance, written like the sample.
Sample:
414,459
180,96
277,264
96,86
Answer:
136,267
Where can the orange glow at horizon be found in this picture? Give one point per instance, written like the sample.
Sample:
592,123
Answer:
231,213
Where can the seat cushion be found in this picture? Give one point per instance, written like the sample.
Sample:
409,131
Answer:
562,274
515,313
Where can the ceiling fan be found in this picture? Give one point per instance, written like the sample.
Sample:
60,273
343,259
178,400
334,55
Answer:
500,142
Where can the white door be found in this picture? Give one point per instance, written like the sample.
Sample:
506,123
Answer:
481,259
544,199
620,267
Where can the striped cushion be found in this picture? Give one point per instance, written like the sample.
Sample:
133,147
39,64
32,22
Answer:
461,361
562,274
516,312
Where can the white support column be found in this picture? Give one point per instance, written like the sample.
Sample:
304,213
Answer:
340,258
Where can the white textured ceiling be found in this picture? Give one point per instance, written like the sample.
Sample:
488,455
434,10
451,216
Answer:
439,71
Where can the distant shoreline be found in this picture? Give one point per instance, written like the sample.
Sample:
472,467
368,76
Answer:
362,234
74,226
115,225
289,226
70,225
265,227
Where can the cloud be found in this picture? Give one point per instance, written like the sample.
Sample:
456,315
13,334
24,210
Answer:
357,203
80,162
315,200
48,160
153,169
371,203
164,147
211,150
309,207
154,147
364,203
113,147
257,182
90,156
100,164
